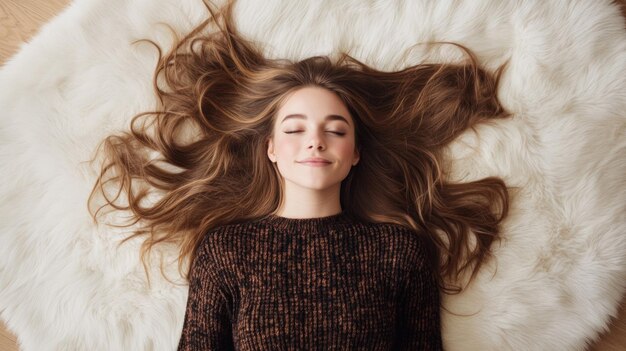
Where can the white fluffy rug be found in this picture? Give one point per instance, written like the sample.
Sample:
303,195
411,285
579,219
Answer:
561,271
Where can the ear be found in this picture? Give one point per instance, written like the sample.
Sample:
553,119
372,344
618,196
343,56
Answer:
270,150
357,156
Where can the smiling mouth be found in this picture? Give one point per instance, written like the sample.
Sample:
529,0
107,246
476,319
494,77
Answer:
315,163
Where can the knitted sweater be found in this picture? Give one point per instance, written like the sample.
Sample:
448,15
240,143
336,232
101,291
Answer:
326,283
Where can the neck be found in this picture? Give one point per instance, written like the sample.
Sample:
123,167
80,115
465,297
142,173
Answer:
301,202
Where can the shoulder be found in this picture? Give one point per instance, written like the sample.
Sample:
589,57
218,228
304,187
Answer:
412,244
215,249
409,237
227,237
220,234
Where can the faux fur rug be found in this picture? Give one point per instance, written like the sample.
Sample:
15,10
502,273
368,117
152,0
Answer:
560,272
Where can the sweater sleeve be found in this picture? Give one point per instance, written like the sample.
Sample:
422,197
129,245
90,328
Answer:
419,326
207,323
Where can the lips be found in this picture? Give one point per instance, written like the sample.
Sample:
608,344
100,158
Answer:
315,160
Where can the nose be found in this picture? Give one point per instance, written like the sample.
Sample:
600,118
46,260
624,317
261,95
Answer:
316,142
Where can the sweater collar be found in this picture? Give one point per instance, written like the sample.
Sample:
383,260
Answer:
309,224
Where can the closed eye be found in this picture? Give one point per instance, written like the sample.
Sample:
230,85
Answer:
329,131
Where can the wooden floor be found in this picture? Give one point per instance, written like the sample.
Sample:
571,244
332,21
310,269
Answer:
21,19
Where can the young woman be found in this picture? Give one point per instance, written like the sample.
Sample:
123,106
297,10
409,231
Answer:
309,196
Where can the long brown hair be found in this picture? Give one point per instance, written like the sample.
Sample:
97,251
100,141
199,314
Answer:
216,113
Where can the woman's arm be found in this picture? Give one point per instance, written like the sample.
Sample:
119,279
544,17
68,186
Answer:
419,326
207,323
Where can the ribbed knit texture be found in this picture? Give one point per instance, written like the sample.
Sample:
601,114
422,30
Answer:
327,283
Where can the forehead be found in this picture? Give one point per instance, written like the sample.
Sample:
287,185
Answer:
313,103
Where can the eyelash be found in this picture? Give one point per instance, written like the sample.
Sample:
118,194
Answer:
298,131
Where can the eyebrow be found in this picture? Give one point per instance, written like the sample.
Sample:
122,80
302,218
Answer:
328,118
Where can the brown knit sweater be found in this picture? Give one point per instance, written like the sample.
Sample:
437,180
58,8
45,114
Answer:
327,283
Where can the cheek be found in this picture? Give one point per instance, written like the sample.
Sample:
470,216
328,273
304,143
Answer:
346,149
286,146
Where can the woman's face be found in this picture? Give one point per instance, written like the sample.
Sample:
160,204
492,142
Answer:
313,122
